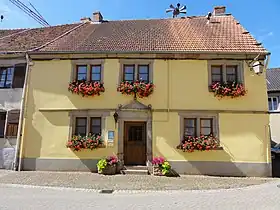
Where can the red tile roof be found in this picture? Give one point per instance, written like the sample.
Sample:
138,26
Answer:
27,39
192,34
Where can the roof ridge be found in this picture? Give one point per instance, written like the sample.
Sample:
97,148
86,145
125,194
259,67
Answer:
169,18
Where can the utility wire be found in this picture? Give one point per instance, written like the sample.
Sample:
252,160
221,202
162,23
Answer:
29,12
27,9
37,12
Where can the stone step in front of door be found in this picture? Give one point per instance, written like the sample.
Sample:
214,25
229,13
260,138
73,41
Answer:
135,170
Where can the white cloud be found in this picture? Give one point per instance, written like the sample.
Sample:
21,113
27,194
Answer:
265,36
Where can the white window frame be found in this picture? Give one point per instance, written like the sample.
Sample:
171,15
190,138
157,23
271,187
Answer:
224,64
136,63
277,101
88,63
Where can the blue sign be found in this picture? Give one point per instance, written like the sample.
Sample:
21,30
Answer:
111,135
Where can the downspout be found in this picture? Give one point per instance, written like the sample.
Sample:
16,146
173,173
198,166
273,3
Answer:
169,89
17,159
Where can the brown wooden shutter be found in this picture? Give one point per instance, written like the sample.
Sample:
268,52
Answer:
12,129
19,76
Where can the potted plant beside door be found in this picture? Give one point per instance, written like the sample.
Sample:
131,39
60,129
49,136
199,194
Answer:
108,166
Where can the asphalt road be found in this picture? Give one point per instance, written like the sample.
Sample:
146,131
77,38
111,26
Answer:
261,197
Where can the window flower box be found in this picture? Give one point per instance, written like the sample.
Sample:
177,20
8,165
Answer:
231,89
201,143
86,88
77,143
137,88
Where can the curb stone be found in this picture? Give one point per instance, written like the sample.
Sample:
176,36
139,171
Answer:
276,184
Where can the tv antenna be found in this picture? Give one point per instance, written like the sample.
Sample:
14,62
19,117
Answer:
177,10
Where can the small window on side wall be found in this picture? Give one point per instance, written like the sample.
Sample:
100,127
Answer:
273,103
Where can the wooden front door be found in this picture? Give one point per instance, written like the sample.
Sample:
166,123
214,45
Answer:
135,143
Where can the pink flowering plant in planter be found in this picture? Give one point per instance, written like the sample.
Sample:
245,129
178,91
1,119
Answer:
137,88
108,166
86,88
201,143
231,89
160,166
77,142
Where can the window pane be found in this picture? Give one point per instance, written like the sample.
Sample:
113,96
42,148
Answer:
190,132
96,121
190,127
128,77
81,131
95,77
205,131
206,126
216,69
81,72
95,125
206,122
270,104
81,121
129,69
231,72
231,78
216,73
275,104
143,69
96,73
216,78
144,77
190,123
2,83
96,69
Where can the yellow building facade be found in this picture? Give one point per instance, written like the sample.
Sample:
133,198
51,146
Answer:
181,92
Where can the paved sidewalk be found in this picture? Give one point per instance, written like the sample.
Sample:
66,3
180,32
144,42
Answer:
257,197
127,182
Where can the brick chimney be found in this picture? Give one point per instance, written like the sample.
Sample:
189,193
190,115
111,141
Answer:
219,10
97,17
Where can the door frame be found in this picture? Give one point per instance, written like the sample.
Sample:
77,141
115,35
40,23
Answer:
144,124
135,116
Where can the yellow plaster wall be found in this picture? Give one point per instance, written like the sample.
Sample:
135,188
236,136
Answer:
244,138
242,135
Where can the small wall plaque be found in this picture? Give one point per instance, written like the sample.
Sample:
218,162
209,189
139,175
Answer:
111,136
